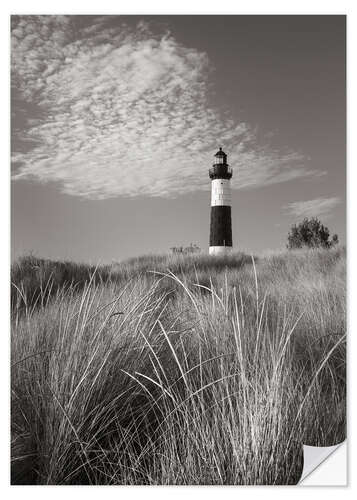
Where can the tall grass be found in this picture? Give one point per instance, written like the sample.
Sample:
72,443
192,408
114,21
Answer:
205,371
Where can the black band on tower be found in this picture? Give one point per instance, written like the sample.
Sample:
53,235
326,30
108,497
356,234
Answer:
221,226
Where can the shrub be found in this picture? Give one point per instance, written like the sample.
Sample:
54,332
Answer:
310,233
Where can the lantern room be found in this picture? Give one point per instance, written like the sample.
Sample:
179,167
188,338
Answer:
220,158
220,168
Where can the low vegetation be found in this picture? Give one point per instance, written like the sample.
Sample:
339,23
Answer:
176,369
310,233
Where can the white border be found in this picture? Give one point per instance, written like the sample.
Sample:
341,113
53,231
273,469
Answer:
179,7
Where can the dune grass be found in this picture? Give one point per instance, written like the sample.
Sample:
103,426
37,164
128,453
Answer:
176,370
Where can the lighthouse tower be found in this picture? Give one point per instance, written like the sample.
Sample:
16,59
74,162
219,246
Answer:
220,240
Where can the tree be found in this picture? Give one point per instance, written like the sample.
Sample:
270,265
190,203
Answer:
310,233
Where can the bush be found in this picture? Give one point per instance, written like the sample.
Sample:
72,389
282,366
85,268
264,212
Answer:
310,233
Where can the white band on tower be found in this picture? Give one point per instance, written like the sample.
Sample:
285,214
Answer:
219,250
221,192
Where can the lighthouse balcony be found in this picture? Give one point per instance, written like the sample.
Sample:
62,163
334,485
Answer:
220,172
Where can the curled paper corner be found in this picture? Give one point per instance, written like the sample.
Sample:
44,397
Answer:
315,456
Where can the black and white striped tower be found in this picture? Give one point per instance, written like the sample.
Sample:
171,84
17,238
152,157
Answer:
220,240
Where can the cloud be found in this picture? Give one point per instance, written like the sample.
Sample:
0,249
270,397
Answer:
319,207
110,111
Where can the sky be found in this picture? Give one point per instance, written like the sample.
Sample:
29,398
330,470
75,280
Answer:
115,121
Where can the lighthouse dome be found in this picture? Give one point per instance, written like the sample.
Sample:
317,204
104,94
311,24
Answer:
220,153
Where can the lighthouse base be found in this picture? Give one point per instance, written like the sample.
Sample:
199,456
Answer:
220,250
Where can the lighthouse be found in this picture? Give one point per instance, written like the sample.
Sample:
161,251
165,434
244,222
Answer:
220,240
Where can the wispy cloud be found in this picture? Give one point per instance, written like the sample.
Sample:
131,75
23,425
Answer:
319,207
116,111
